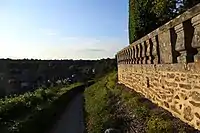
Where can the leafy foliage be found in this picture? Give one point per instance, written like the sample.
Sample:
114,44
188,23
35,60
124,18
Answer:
147,15
159,125
16,110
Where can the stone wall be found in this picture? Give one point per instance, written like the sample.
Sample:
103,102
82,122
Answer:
164,66
175,87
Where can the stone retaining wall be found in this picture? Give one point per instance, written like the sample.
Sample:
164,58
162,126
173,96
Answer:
175,87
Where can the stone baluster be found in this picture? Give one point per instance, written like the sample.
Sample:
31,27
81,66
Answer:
129,56
126,56
196,38
180,44
137,54
119,58
144,56
131,52
128,51
132,55
154,50
149,53
140,53
122,57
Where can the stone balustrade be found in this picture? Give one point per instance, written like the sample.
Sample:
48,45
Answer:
164,66
178,41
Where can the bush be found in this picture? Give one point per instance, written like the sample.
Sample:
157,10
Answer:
41,120
18,110
159,125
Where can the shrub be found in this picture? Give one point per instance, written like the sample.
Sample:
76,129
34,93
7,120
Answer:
17,110
159,125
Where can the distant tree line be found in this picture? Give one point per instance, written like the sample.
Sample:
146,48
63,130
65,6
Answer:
147,15
46,73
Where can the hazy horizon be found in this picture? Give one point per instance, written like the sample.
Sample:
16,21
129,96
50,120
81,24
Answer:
59,29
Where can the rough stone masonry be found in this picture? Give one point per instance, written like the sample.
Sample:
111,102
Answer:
164,66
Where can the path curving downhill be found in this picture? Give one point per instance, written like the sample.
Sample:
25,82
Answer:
72,120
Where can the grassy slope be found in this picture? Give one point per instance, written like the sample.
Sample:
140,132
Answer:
18,112
110,105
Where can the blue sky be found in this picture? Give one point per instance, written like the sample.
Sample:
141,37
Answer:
62,29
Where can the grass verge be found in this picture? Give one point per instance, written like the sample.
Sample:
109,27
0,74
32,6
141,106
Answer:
42,107
109,105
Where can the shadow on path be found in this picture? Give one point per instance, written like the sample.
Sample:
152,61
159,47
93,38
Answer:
72,120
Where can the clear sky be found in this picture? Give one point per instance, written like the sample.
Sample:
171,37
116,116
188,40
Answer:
62,29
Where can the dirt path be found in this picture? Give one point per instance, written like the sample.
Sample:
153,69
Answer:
72,120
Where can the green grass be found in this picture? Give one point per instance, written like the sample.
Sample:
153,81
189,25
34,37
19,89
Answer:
19,112
156,124
101,110
98,109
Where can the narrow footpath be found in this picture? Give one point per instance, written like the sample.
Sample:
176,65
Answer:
72,120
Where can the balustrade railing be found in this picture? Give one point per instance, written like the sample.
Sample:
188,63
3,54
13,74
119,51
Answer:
158,46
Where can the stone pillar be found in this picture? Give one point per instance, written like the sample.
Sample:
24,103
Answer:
196,38
144,56
180,44
154,50
165,47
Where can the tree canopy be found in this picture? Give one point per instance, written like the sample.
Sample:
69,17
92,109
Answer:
147,15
